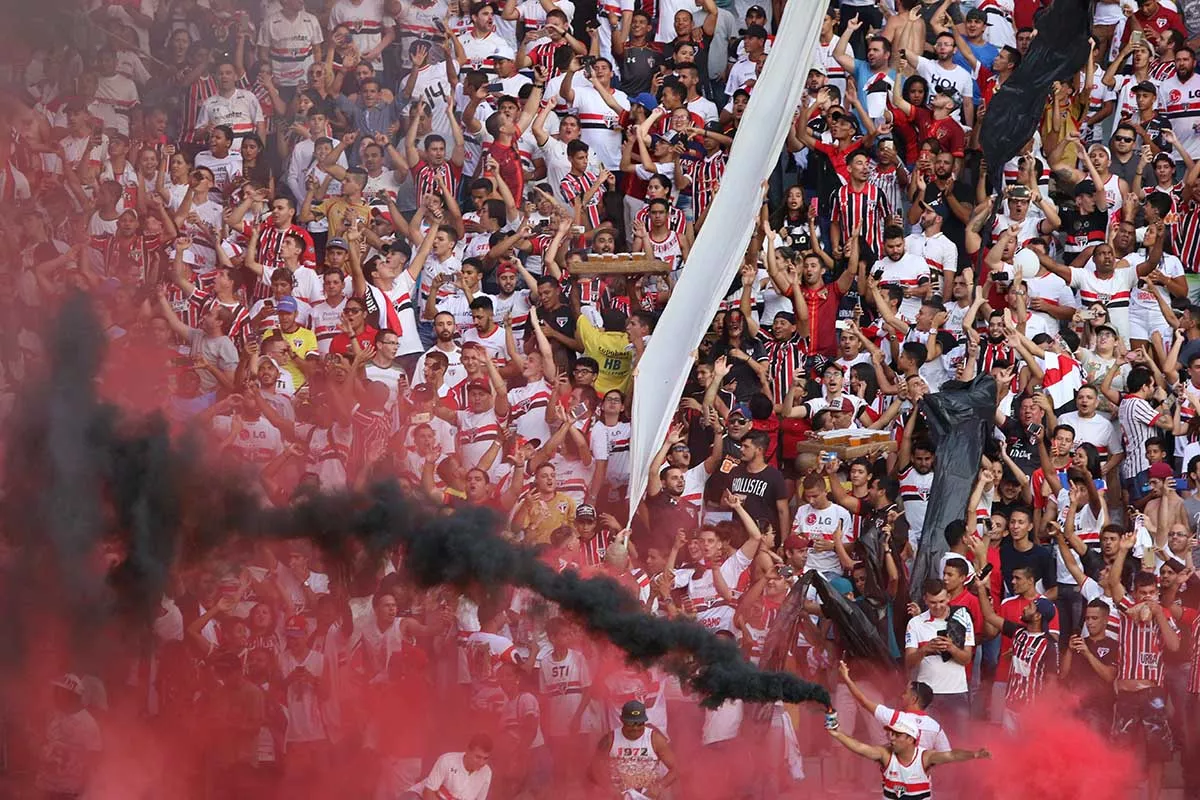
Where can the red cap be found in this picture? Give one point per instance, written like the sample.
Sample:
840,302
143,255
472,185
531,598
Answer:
506,268
796,542
482,384
296,625
1162,470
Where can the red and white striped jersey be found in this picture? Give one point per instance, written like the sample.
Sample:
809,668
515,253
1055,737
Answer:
594,548
576,187
542,54
1033,654
427,174
939,253
868,208
705,175
1141,647
783,359
676,220
573,479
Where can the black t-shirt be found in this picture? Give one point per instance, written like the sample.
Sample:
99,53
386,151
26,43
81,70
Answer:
741,371
1094,693
1022,445
760,490
638,67
1081,231
1038,558
561,320
718,482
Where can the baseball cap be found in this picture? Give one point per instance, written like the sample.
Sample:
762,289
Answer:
297,626
339,243
421,393
505,268
976,14
479,385
505,52
817,68
741,408
756,31
1145,86
287,303
1162,470
534,443
1046,609
1161,157
713,125
759,10
905,727
1085,187
796,542
585,511
645,100
633,713
69,682
844,407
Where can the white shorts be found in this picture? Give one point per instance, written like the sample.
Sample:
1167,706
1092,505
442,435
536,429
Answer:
1143,325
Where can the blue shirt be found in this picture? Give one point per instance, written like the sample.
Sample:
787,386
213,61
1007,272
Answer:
985,54
863,75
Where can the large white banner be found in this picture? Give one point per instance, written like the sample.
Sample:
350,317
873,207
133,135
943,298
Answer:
717,252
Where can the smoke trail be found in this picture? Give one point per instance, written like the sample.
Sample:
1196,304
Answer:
102,479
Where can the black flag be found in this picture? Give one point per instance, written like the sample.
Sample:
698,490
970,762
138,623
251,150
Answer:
1057,53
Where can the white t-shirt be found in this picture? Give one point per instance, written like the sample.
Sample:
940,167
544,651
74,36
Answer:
944,677
449,779
822,523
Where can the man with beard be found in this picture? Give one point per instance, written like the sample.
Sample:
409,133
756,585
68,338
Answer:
823,300
932,245
945,187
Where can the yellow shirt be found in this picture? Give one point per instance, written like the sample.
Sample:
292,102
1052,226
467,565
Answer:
337,209
302,341
539,518
611,351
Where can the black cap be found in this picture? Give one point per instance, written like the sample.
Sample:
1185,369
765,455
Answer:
1085,187
714,125
1145,86
633,713
756,10
756,30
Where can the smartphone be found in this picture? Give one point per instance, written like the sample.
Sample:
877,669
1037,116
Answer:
828,456
983,573
421,418
841,324
579,410
1035,429
495,88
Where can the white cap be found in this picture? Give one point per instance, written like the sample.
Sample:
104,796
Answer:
902,725
505,51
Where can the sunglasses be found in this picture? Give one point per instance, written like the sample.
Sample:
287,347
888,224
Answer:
1123,139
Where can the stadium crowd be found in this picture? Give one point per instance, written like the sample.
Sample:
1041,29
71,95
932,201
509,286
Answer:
359,239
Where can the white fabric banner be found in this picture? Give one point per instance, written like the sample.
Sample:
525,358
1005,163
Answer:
717,252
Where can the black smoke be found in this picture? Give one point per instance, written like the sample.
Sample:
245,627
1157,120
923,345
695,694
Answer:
84,481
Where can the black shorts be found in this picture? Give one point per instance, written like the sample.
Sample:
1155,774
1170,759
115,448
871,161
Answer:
1143,715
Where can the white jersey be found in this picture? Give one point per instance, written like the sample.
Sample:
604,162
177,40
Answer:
914,493
573,477
434,88
326,320
1113,293
1098,430
1180,102
528,414
291,44
939,253
822,523
241,111
367,22
635,764
907,781
600,125
227,171
515,307
930,735
1055,292
306,721
116,97
669,250
712,611
611,444
495,343
481,51
834,72
907,273
561,684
